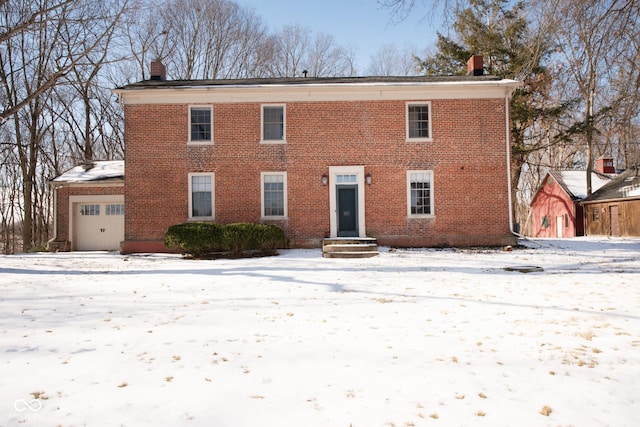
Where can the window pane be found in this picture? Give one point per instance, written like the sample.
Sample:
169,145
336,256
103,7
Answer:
273,195
115,209
273,123
418,121
420,194
90,210
201,196
346,179
200,124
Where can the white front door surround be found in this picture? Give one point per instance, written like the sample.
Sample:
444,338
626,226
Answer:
334,173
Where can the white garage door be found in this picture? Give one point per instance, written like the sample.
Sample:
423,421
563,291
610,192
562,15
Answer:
99,226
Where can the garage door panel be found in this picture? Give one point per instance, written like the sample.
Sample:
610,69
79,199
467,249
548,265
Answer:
98,226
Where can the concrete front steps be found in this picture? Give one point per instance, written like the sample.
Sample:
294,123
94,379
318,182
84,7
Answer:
349,247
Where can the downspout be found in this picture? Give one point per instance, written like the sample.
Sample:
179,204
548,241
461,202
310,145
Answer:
55,217
508,139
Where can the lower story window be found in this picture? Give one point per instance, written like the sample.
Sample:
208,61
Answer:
420,193
274,194
201,195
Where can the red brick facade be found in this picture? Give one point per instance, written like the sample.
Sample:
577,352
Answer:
467,155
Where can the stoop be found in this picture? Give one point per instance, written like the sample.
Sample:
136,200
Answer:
350,247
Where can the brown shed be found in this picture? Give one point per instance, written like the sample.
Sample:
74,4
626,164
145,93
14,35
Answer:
614,210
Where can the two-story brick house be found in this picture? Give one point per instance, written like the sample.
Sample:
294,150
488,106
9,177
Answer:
411,161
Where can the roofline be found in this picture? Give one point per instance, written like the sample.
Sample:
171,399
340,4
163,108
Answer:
617,199
103,182
237,91
309,82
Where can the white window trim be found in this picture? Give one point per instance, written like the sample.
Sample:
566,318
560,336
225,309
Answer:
284,125
406,113
199,142
213,197
431,193
285,195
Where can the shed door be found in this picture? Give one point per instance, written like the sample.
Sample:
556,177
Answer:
98,226
614,220
559,225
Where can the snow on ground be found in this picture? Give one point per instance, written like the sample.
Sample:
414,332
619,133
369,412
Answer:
409,338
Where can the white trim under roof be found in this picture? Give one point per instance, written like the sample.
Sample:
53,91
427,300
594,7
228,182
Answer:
279,93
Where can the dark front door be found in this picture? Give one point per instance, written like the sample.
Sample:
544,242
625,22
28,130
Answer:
347,210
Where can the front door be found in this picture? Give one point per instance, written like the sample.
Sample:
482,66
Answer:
614,220
347,198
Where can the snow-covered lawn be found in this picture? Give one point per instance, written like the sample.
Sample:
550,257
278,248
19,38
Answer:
409,338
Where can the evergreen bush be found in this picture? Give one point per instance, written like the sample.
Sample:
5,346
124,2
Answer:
203,239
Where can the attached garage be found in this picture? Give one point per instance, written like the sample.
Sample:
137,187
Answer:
97,222
89,208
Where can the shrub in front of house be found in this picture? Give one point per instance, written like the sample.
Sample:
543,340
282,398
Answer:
209,240
195,238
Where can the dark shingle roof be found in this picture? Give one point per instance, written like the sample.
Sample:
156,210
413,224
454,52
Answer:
148,84
624,186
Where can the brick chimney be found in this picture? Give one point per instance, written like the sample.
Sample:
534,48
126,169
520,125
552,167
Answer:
605,165
158,70
475,66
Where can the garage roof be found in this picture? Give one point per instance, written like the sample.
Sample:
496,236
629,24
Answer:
108,170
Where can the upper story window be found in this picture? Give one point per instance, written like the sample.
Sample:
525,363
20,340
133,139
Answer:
420,193
419,121
273,123
200,124
201,196
274,194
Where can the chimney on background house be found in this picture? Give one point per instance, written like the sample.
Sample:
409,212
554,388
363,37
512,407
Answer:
158,70
605,165
475,66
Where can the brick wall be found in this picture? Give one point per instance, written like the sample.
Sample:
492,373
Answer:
467,156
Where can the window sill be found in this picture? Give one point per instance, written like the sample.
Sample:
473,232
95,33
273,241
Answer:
429,216
273,141
274,218
419,140
201,219
199,143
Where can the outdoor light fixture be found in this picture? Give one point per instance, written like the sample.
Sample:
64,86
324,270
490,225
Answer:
368,178
325,179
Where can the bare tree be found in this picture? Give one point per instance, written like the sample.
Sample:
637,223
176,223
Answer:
57,38
295,49
288,50
590,35
146,37
213,39
20,17
391,61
